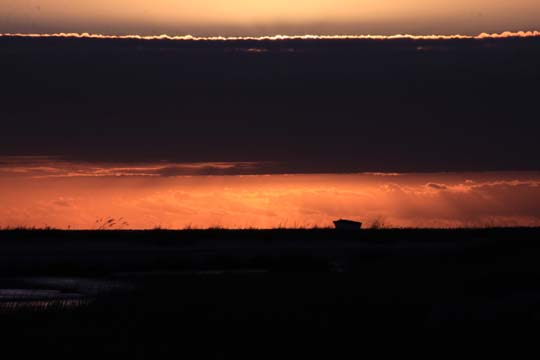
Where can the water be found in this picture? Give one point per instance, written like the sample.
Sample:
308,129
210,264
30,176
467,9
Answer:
53,293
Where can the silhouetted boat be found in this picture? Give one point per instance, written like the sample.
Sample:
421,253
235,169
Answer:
347,225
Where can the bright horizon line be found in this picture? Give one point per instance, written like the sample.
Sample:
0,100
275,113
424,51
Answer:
502,35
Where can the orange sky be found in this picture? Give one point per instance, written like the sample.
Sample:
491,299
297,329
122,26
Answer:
46,192
249,17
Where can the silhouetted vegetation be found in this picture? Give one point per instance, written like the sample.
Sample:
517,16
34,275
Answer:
227,293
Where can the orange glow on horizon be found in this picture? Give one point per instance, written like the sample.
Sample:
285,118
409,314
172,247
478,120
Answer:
62,195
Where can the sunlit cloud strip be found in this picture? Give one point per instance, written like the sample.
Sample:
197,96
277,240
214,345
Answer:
506,34
56,167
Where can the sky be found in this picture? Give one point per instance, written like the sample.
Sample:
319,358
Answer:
256,18
263,133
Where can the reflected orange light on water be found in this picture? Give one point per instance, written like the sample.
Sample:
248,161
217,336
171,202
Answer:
146,197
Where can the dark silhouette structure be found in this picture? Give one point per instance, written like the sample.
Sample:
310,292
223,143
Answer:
347,225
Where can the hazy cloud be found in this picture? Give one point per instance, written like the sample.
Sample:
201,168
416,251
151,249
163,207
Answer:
437,186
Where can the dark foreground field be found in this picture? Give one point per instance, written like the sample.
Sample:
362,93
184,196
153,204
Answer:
261,294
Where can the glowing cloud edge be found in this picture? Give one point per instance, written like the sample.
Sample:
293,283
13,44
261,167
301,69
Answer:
506,34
